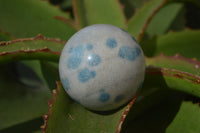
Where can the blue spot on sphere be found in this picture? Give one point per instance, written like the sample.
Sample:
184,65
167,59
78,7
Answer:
70,50
65,83
111,43
73,62
89,46
129,53
93,59
75,59
93,74
79,51
119,98
104,97
85,74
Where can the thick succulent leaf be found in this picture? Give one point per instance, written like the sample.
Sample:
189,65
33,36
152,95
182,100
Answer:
157,108
50,73
162,112
89,12
161,79
31,48
176,62
186,43
20,103
65,116
193,2
32,65
66,4
31,126
27,18
139,22
159,24
177,80
4,36
153,113
178,73
28,70
187,119
130,6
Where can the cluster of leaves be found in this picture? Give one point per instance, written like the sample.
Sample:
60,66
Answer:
33,33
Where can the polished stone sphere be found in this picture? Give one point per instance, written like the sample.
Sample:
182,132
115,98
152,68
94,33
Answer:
102,67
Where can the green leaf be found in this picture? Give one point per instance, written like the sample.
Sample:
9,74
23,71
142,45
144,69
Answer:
65,116
20,103
33,68
186,43
22,18
158,89
176,62
31,126
154,118
29,73
88,12
130,6
31,48
157,108
159,24
66,4
4,36
178,73
139,22
192,2
187,120
177,80
50,73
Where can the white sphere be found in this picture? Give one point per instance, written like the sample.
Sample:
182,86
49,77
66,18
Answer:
102,67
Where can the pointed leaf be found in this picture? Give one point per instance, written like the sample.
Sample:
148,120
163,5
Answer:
157,106
177,72
176,62
29,73
22,18
20,103
70,115
50,73
154,118
31,48
159,24
139,22
31,65
186,43
89,12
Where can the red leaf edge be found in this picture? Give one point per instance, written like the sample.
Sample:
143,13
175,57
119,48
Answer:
50,103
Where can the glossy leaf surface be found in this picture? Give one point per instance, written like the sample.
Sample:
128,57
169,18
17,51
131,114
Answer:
69,115
31,48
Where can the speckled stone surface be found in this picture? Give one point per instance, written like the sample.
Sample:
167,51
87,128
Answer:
102,67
